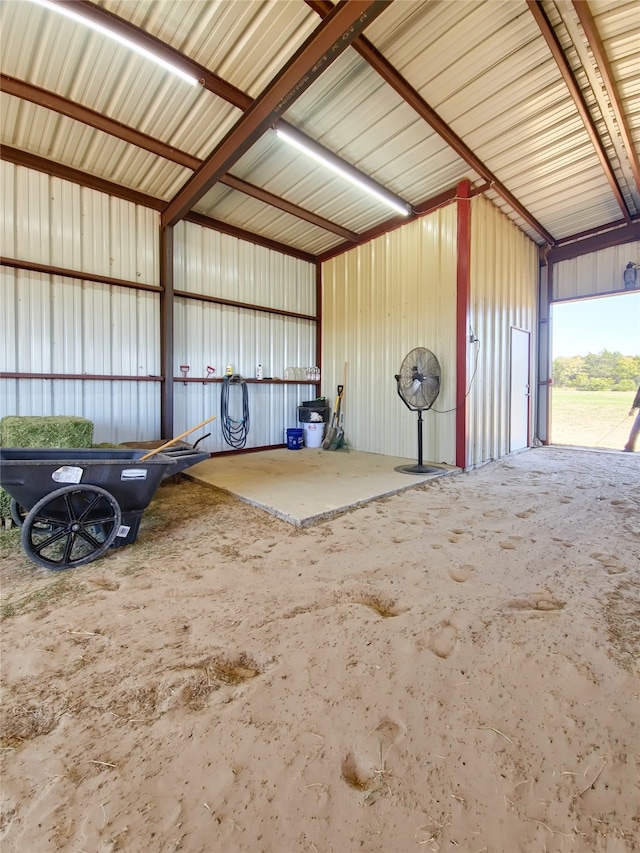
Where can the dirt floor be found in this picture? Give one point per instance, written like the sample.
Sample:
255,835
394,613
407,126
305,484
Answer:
450,669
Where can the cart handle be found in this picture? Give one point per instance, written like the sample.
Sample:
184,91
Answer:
173,440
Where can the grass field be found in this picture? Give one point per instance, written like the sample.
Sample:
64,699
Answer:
590,418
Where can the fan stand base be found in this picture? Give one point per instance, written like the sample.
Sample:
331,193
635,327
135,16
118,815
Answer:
417,469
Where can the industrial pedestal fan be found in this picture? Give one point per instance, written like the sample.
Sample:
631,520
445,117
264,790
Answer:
418,385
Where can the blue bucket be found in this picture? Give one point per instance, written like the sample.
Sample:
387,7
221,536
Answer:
295,439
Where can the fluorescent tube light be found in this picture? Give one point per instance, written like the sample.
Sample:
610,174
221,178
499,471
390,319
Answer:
336,165
105,31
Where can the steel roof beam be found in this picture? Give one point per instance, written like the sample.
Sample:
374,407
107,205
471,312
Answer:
597,48
330,39
92,118
286,206
571,83
394,79
214,84
418,210
628,233
206,78
77,112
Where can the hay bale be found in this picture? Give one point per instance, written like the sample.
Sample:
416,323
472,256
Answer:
44,432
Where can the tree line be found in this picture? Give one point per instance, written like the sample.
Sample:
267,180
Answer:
604,371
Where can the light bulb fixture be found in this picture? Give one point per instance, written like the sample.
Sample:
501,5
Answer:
79,18
349,173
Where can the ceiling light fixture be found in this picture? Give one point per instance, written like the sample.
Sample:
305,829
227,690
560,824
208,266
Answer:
105,31
325,158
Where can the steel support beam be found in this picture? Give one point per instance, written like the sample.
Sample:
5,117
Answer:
331,38
571,83
166,332
599,54
51,101
207,79
628,233
394,79
463,296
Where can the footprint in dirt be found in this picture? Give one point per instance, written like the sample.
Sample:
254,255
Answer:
535,601
365,769
611,564
460,574
443,640
509,544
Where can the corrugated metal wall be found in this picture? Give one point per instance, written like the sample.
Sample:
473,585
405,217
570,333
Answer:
595,274
504,289
211,334
58,325
381,300
54,324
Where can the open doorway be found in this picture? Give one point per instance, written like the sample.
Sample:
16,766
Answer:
596,370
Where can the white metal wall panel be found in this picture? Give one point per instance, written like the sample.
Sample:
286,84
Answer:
52,324
216,264
594,274
209,334
59,325
504,288
380,301
50,221
125,411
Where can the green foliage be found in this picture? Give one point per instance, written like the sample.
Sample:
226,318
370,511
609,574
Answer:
604,371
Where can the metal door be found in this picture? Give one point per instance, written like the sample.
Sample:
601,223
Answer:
520,389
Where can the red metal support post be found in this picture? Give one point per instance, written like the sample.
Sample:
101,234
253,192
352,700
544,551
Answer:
462,316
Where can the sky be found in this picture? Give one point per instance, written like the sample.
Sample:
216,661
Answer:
592,325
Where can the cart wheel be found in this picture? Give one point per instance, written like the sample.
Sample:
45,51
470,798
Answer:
70,527
18,513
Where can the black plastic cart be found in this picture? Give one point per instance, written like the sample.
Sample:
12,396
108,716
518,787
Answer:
79,503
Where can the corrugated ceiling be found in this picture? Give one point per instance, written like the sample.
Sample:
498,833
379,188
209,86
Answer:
529,103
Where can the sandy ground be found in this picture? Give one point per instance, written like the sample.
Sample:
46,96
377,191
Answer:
450,669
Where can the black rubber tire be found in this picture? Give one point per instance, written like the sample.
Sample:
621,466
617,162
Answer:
71,527
18,513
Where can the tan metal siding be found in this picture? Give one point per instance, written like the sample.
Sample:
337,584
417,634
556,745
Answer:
594,274
504,286
381,300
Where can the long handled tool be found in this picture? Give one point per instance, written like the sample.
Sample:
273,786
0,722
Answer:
333,430
174,440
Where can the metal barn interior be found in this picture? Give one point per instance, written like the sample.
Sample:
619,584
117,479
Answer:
163,221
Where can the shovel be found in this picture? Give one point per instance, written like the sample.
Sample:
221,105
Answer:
334,429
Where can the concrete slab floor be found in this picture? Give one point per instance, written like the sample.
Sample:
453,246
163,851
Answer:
309,485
